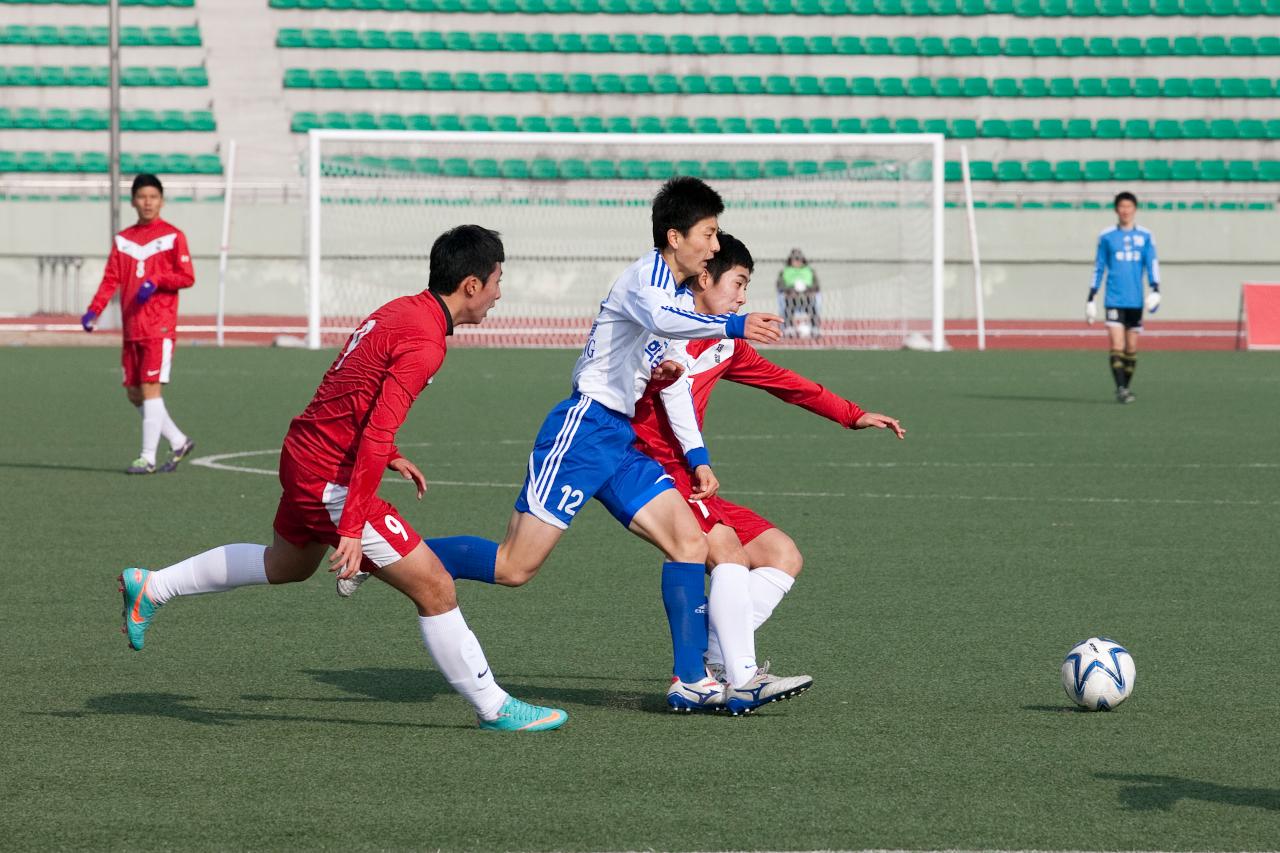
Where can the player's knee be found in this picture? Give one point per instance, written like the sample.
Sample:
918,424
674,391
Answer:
789,559
689,547
511,573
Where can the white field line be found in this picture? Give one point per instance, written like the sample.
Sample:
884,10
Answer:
218,462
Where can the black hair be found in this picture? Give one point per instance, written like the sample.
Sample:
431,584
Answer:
457,254
680,204
146,179
733,253
1124,196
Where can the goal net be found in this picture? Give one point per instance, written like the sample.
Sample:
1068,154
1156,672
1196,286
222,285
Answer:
865,211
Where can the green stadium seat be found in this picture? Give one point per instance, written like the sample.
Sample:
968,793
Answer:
1063,87
763,125
1241,170
297,78
1045,46
944,87
1018,46
1051,128
1260,87
1137,128
879,124
1251,128
907,125
961,46
1183,170
995,128
650,124
1095,87
1097,170
1009,170
982,170
933,46
1079,128
891,87
834,86
1108,128
1099,46
1195,128
1211,170
1204,87
1242,46
1022,128
964,128
1126,170
849,46
1033,87
290,38
1223,128
1232,87
1040,171
918,87
1269,170
392,121
416,81
1006,87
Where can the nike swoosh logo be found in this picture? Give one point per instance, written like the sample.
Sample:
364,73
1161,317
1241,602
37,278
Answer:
152,372
482,674
135,615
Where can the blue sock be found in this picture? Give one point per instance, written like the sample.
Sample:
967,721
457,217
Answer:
466,557
684,595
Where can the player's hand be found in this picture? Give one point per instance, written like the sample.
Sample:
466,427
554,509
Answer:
345,559
705,484
1090,312
763,328
89,321
668,371
1153,302
145,292
410,472
875,420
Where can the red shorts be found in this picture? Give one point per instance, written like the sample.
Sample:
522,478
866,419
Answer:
311,508
147,360
745,522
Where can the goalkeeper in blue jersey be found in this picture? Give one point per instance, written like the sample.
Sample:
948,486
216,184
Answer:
1125,253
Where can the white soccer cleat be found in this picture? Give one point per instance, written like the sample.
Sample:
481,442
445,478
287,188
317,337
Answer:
764,688
348,586
705,695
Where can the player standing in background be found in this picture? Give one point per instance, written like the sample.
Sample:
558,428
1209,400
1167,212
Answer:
332,461
584,447
668,423
1125,252
149,263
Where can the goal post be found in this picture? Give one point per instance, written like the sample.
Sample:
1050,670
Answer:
866,210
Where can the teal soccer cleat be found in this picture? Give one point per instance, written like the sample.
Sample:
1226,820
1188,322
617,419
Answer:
138,607
517,716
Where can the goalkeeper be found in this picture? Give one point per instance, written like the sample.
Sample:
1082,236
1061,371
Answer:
1125,252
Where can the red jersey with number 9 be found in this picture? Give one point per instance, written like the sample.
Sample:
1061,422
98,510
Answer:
346,435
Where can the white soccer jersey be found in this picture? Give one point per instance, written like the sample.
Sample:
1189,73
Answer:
645,309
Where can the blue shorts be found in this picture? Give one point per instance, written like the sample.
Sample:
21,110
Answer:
584,450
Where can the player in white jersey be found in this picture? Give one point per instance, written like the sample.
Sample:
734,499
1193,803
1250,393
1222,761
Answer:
585,446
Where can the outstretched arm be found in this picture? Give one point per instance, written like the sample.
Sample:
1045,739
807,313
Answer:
750,368
655,308
110,283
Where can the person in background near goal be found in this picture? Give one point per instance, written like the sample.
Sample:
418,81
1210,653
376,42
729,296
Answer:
584,447
753,564
149,263
332,461
798,291
1125,252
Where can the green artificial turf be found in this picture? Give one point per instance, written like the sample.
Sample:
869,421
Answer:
945,578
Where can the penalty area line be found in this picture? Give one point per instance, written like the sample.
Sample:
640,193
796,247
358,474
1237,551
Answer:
218,462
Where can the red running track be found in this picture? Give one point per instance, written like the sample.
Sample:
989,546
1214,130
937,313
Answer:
570,332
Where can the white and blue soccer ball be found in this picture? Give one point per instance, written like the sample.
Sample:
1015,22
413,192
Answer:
1098,674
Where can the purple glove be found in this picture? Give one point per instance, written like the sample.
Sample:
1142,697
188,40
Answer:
144,292
86,321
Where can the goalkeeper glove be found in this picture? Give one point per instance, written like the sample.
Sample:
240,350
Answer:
1090,312
1153,302
88,320
144,292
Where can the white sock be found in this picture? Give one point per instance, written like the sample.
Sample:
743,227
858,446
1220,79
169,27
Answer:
152,420
768,585
218,570
457,653
729,609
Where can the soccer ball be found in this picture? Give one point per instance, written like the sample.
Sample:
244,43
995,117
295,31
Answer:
1098,674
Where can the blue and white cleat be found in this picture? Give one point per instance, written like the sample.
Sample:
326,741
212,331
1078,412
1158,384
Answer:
138,606
347,586
684,697
517,716
177,456
762,689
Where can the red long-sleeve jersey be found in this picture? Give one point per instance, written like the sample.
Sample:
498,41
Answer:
347,432
669,415
155,252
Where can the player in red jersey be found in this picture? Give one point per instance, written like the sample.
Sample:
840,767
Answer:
332,461
149,263
668,424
